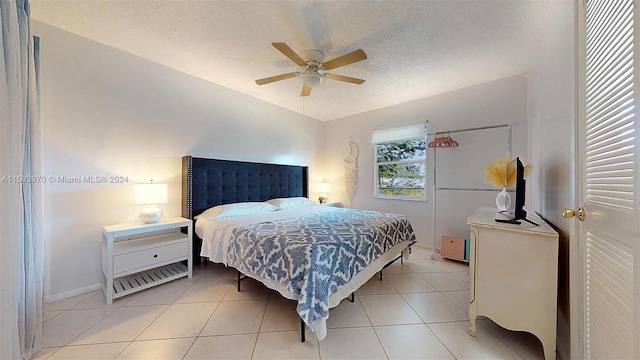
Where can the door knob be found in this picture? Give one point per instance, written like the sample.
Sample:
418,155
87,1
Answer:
568,213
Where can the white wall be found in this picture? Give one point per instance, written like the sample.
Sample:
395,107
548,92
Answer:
499,102
552,99
109,113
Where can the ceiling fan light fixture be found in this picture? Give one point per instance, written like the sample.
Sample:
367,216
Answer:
312,78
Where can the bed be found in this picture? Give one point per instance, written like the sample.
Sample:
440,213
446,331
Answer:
316,255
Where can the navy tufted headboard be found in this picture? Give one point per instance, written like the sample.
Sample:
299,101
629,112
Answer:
210,182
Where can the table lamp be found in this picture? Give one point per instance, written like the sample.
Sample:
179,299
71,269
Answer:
151,195
323,189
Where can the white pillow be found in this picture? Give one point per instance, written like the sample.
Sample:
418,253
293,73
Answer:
291,203
237,209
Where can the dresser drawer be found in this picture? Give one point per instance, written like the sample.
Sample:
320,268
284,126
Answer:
149,257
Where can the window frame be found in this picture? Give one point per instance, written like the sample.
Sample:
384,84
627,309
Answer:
420,161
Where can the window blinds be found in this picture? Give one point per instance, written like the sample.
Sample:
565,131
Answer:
399,133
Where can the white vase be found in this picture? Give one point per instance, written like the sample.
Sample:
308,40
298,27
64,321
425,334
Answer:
503,200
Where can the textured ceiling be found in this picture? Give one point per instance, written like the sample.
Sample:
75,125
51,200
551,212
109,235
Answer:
415,48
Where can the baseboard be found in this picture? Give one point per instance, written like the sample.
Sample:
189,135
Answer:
72,293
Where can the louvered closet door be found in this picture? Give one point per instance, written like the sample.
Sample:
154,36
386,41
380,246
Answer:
608,146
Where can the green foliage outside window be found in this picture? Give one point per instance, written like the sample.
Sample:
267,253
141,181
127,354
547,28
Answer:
401,169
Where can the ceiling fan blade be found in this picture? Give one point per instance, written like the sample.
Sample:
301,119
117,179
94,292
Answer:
346,59
286,50
306,90
344,78
277,78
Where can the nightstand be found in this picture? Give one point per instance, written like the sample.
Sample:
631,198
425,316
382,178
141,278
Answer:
137,256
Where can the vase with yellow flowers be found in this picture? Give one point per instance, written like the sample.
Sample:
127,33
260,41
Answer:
501,175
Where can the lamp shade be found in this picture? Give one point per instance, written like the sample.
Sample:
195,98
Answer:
324,187
147,194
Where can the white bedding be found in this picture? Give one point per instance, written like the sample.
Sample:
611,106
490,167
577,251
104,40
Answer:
215,234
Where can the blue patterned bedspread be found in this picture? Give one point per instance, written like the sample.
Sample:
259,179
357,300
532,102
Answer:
316,254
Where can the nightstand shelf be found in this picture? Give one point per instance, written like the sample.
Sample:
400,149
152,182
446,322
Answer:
137,256
126,285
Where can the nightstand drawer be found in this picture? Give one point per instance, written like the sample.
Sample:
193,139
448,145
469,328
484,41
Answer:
145,258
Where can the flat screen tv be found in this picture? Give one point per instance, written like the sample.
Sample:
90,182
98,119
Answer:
519,213
516,168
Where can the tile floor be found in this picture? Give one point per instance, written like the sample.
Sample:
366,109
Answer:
418,311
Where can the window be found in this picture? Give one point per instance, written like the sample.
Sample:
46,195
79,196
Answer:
401,162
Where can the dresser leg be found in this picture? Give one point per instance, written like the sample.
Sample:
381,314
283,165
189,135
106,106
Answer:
548,341
549,353
472,321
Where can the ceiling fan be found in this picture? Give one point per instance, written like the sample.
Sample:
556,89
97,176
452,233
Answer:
315,68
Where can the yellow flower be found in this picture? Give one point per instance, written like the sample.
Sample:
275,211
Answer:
496,174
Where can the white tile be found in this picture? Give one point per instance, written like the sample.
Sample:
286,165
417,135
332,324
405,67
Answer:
236,317
124,324
179,320
228,347
67,304
48,315
220,273
250,289
444,281
285,345
462,275
281,315
348,314
418,252
460,298
65,327
99,301
421,266
351,343
455,336
376,287
409,283
388,309
525,344
397,268
168,349
44,353
93,351
434,307
201,291
411,342
197,271
164,294
451,265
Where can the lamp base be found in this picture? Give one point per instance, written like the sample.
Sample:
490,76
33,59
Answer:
151,214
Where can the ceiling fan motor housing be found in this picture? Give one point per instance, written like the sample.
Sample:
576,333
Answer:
313,57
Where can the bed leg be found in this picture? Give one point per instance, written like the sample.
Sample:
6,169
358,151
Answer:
302,332
401,259
380,275
239,275
353,297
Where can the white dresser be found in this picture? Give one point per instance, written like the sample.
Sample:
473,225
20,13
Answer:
513,275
